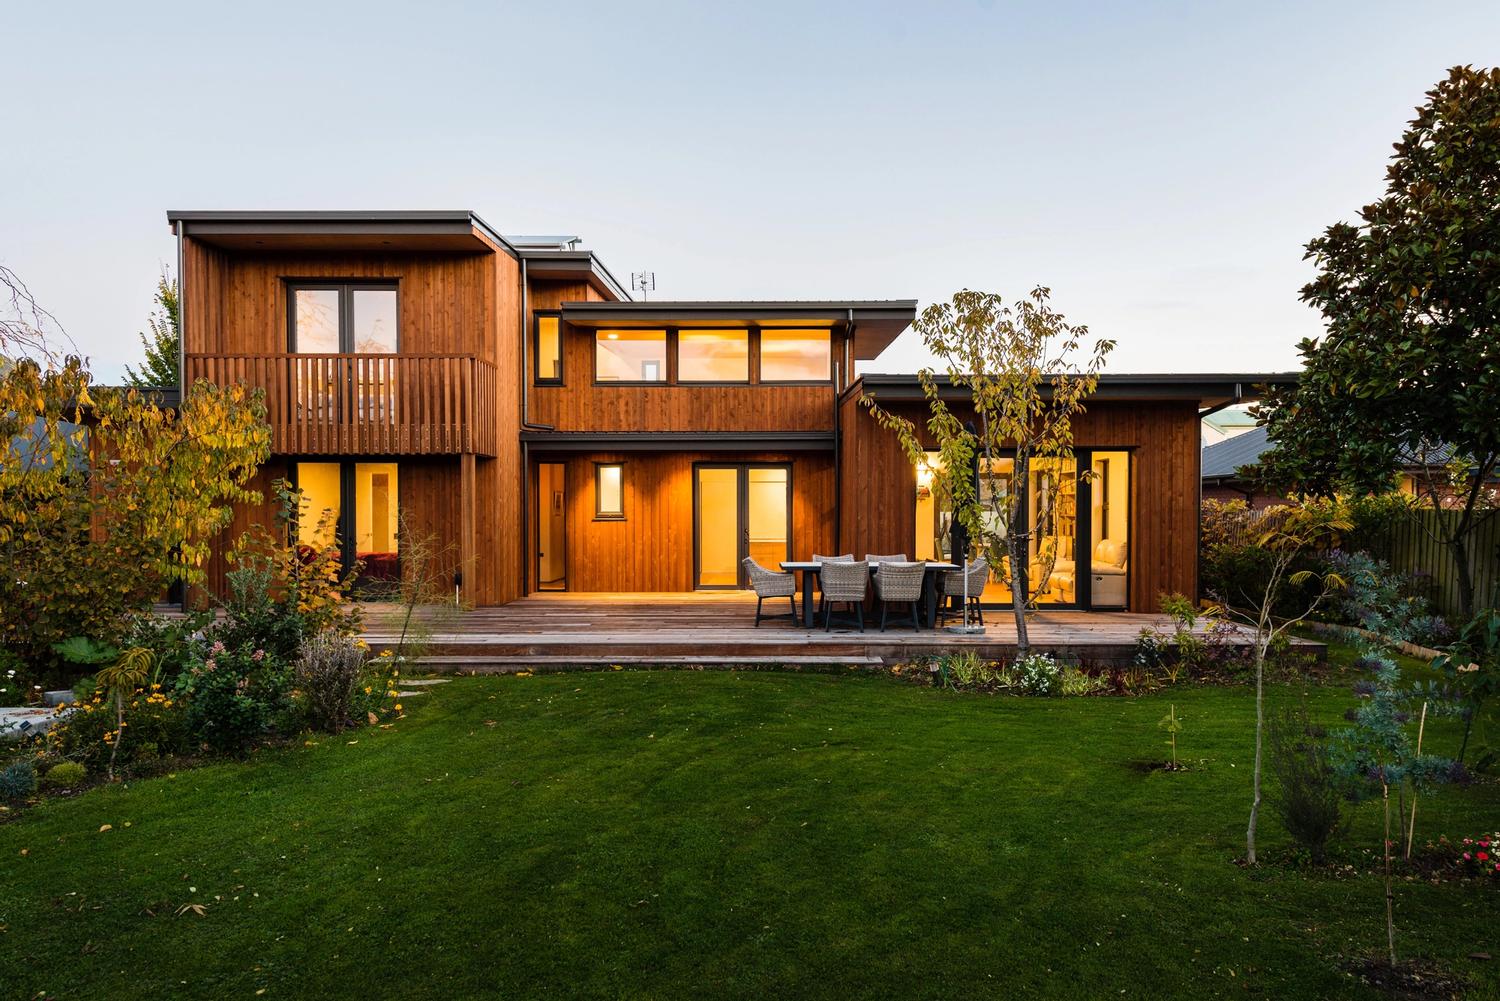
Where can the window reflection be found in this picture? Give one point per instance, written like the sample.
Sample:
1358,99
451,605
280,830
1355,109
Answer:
316,324
374,320
794,355
630,355
713,356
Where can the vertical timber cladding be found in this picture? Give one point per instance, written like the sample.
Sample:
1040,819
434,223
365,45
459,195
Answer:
652,548
878,487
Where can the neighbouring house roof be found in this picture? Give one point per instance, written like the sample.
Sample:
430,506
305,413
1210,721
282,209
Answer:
875,323
1206,389
1221,459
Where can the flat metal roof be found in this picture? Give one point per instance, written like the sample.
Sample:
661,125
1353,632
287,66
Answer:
1207,388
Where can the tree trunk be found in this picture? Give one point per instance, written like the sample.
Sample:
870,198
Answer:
1019,585
1260,718
1458,548
1390,893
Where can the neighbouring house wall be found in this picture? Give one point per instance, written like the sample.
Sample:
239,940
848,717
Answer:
652,549
878,486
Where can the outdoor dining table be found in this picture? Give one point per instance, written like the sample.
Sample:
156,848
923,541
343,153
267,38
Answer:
812,568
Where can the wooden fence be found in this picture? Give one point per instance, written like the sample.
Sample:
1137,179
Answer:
1409,545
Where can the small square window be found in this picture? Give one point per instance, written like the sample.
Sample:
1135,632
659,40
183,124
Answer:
609,491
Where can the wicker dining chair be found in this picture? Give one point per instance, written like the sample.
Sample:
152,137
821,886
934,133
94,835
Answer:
770,584
874,560
954,586
845,583
900,583
846,558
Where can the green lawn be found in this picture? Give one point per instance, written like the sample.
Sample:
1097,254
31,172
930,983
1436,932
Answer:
680,834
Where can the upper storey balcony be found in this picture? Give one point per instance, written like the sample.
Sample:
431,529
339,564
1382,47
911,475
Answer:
366,404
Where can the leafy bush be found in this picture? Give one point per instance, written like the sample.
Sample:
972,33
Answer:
155,725
253,617
1078,682
330,667
17,781
18,685
1037,674
65,775
170,640
1385,601
1307,793
236,697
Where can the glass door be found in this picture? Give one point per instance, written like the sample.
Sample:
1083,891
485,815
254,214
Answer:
739,510
551,526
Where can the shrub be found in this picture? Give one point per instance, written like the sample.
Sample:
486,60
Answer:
235,697
329,670
1385,601
253,618
65,775
1078,682
1480,856
1037,674
18,685
1307,793
171,641
17,781
155,725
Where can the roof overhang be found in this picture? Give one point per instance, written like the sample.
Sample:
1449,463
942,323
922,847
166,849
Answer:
678,441
457,231
1206,389
874,324
574,265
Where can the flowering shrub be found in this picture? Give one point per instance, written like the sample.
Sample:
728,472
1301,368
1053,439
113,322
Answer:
1037,674
154,725
236,696
1480,856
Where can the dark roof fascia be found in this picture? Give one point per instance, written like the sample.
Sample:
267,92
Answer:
1202,387
676,441
337,222
584,263
822,309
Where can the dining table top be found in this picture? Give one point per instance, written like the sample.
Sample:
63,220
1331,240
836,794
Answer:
816,566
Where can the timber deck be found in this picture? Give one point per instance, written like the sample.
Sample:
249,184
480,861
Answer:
717,628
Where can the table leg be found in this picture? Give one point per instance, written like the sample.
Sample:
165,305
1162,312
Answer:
807,602
929,598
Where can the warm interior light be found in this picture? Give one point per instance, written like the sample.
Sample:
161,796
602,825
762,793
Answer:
612,336
924,475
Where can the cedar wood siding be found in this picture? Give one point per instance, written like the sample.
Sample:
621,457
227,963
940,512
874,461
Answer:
461,303
652,548
878,486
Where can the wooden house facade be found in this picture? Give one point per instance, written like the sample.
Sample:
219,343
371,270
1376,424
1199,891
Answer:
504,398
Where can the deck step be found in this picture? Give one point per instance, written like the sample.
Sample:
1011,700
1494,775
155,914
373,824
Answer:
489,664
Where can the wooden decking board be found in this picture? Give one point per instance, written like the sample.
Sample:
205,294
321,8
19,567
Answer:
717,627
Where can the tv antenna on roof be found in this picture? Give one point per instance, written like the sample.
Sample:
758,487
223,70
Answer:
643,282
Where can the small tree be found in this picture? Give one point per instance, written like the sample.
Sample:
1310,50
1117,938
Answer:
1407,370
121,679
1290,536
1025,386
163,344
1376,754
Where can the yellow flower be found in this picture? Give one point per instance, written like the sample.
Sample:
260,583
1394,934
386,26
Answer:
398,707
367,689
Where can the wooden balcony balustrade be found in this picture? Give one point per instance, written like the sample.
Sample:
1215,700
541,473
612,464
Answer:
366,404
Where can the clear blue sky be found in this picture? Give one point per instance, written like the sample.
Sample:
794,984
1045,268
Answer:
1159,165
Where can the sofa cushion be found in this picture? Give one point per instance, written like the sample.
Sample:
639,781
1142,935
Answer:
1109,553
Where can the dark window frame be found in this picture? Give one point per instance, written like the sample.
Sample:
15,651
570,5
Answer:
755,361
751,336
346,287
345,524
760,361
599,513
536,348
669,370
742,517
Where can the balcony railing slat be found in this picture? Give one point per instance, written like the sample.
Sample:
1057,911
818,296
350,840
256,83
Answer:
352,404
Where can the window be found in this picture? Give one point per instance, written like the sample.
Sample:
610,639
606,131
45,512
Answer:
794,356
609,491
366,530
630,356
548,348
1109,529
713,356
344,318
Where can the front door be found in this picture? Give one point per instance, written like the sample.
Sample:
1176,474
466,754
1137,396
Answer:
739,510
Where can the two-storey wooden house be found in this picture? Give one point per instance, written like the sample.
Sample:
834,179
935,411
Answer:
507,398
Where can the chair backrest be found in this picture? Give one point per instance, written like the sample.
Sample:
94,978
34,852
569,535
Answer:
845,581
898,558
758,576
900,581
1111,552
846,558
954,583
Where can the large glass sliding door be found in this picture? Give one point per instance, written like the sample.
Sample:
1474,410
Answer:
739,510
1077,554
352,507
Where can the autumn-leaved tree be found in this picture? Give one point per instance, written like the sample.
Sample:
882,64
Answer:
1409,369
106,496
1019,366
163,344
